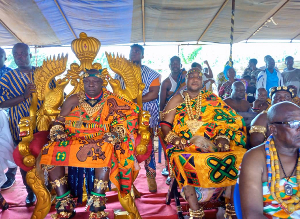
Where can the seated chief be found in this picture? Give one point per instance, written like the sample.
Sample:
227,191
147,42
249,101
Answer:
198,123
95,129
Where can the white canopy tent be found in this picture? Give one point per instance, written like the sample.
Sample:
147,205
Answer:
58,22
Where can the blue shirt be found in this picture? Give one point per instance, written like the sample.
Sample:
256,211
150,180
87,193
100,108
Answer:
3,70
272,80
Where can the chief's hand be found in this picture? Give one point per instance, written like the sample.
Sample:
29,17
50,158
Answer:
110,137
61,136
222,144
179,143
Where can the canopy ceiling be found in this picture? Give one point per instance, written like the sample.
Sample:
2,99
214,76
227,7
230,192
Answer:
58,22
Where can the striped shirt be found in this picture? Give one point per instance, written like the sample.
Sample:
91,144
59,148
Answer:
148,76
12,85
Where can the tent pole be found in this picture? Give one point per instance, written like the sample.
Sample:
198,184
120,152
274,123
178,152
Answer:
212,21
294,38
11,32
232,31
143,12
66,20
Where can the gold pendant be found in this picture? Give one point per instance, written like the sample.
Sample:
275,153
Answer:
194,125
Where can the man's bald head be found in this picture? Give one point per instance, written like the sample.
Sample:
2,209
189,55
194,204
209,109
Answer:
238,90
2,57
282,112
283,119
22,55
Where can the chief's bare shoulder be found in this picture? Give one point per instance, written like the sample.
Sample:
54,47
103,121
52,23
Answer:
260,119
176,100
255,156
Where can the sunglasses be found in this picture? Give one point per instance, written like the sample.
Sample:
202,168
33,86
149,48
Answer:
292,124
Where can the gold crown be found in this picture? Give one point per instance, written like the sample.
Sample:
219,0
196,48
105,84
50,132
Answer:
85,48
195,69
273,90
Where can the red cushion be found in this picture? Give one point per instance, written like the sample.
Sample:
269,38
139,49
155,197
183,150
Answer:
35,147
141,158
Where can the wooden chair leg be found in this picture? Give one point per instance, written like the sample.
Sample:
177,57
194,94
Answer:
177,201
173,193
171,190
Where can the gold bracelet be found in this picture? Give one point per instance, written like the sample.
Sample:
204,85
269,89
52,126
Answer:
196,213
170,137
59,182
230,211
258,129
222,136
120,130
54,132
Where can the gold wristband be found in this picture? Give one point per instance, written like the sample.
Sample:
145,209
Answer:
196,213
258,129
120,130
170,137
54,132
230,211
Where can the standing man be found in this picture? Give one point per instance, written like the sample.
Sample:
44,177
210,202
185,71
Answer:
169,87
291,75
151,79
172,83
270,77
252,70
16,87
3,68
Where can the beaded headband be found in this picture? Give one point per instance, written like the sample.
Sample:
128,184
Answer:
273,90
193,70
97,75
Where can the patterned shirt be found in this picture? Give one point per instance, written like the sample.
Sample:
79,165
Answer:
148,76
12,85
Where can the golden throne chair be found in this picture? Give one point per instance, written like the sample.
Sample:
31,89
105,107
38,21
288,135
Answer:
85,48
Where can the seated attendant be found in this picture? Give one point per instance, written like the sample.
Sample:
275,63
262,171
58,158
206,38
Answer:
270,173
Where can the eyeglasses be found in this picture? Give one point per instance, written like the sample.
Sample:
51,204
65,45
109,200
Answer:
292,124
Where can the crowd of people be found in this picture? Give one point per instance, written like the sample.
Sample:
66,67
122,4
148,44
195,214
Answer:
259,112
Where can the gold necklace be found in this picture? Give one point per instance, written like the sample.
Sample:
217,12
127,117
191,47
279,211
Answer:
193,123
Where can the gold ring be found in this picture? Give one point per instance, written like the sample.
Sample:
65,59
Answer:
220,145
226,147
183,141
177,142
110,138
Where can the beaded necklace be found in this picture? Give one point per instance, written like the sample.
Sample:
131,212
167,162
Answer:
193,123
292,204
